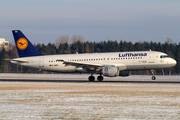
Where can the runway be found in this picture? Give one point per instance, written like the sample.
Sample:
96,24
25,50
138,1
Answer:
86,81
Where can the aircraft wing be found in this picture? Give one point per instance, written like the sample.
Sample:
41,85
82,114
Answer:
90,66
85,66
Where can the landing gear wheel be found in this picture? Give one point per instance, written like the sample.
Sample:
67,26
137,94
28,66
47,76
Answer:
91,78
153,78
100,78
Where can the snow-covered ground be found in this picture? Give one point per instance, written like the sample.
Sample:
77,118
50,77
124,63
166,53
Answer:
47,100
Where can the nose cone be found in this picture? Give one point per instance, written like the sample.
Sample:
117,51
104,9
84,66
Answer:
173,62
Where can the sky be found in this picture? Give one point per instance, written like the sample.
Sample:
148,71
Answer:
44,21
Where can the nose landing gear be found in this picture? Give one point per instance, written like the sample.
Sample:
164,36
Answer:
153,76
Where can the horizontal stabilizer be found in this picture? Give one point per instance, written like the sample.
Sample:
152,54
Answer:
20,61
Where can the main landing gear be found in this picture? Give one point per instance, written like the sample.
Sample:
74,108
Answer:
153,76
100,78
92,78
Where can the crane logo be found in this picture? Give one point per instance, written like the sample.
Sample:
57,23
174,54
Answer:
22,43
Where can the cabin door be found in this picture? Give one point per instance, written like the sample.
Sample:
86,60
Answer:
151,58
41,62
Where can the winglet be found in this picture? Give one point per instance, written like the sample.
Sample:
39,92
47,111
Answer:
23,45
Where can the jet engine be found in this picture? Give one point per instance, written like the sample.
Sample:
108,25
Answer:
111,71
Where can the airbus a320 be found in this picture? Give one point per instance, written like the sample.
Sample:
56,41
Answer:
110,64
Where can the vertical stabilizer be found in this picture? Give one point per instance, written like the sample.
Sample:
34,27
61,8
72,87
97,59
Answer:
24,46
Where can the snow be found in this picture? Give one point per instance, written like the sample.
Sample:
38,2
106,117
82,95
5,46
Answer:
20,100
88,100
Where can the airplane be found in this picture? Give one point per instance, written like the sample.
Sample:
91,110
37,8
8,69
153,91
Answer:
111,64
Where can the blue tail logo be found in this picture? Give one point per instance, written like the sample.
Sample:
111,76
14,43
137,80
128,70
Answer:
24,46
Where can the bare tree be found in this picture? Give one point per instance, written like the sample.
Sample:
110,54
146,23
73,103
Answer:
11,45
62,40
169,40
76,38
87,49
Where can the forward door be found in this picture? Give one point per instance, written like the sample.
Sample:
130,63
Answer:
151,57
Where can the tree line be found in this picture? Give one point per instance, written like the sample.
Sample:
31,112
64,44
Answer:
80,46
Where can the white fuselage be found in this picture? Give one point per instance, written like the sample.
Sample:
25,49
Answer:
124,60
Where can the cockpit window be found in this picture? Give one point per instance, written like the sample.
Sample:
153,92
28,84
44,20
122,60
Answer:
164,56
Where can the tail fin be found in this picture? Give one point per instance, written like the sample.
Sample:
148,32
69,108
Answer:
24,46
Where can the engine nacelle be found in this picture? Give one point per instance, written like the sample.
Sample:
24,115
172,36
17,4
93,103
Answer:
110,71
124,73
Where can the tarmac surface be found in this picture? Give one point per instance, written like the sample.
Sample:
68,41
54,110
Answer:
84,81
174,79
